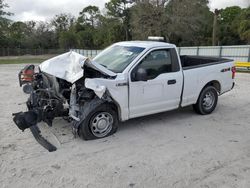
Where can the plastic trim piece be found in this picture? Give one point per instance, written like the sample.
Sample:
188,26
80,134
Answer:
42,141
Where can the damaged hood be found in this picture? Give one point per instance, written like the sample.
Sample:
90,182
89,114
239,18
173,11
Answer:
70,66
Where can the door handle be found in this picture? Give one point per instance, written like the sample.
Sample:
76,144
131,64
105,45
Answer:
121,84
170,82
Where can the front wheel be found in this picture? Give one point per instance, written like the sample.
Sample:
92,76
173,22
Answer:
207,101
100,123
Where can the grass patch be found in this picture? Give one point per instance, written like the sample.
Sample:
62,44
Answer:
29,59
21,61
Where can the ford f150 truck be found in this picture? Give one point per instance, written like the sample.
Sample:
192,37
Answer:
126,80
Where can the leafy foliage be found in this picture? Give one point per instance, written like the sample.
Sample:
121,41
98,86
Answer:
182,22
144,24
244,25
120,9
228,22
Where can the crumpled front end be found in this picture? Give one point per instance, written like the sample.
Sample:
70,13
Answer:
58,90
47,99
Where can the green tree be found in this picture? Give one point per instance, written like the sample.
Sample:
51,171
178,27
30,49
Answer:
68,40
228,24
244,25
120,9
190,22
30,39
62,24
17,32
46,37
4,32
148,19
4,24
109,31
183,22
2,11
86,26
85,39
89,16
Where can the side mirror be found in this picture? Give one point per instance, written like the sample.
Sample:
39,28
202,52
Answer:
141,75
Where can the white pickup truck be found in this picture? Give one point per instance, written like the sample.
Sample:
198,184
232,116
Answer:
126,80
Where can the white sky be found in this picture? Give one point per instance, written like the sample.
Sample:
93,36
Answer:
25,10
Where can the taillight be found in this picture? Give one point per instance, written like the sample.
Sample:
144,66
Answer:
233,72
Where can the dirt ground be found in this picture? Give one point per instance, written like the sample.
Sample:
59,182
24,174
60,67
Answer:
172,149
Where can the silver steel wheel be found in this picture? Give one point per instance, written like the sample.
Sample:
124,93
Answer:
101,124
208,100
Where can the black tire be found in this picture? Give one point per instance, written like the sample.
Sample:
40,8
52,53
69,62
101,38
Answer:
86,130
204,104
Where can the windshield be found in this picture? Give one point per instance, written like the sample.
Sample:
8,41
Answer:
117,58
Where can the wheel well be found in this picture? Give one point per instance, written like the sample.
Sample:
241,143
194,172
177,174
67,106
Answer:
215,84
91,105
116,108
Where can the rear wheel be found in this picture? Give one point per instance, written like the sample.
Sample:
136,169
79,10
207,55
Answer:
207,101
100,123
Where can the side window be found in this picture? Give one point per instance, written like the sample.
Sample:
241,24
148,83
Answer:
155,63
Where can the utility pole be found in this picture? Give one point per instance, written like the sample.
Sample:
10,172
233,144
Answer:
215,25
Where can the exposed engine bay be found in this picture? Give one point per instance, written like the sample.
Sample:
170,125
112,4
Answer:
59,88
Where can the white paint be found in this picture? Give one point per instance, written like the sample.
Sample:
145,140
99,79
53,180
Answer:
93,85
196,79
141,98
69,66
154,95
118,93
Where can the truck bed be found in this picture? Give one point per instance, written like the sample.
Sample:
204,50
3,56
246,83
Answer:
189,62
198,71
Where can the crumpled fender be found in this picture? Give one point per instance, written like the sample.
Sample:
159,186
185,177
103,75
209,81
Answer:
119,95
88,107
95,86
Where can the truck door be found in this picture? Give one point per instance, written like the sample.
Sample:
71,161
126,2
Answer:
160,89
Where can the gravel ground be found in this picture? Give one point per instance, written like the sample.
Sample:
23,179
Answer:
172,149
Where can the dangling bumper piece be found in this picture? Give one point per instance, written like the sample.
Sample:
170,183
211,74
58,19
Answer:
25,120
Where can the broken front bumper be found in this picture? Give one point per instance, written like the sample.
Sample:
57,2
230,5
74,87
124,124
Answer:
41,140
25,120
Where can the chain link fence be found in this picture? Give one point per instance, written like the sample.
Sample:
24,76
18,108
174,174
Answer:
237,53
87,53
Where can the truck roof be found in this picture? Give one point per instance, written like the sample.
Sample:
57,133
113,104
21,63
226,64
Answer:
146,44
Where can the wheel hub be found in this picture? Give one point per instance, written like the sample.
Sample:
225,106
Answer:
208,100
101,124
